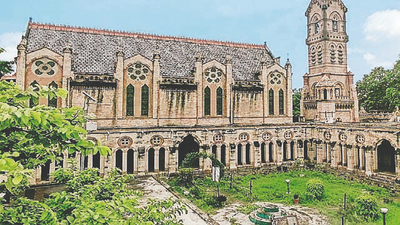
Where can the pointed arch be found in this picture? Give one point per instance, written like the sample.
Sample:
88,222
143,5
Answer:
219,101
271,102
145,101
52,101
207,101
281,102
130,100
34,101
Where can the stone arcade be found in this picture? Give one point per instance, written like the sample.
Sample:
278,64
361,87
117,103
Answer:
157,98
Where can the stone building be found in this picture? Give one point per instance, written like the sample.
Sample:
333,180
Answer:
158,98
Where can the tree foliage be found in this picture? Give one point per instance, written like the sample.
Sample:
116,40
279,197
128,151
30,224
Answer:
30,137
296,102
5,66
379,90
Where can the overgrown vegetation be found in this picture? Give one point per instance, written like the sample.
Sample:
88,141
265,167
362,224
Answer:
5,66
327,190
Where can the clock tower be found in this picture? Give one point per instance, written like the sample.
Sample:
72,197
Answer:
329,94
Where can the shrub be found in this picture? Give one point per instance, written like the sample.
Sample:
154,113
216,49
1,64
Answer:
185,177
315,189
367,208
62,176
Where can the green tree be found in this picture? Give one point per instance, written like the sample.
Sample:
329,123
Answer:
379,90
296,101
5,66
29,137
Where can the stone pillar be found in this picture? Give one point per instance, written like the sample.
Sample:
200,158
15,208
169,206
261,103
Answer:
227,156
244,159
136,161
255,158
288,153
167,163
21,63
157,160
279,152
218,151
156,86
266,151
289,95
295,153
350,157
333,154
67,75
103,165
199,81
233,152
52,170
264,76
369,161
208,162
229,81
119,76
124,161
90,161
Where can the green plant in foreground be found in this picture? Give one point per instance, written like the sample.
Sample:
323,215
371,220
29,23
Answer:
315,189
367,208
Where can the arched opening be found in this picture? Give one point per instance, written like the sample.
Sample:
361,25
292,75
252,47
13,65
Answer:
306,150
85,162
248,154
325,94
150,160
292,150
239,154
263,153
161,159
118,159
386,157
34,101
96,160
52,102
341,154
130,161
214,150
207,101
219,101
223,152
271,151
45,174
145,101
188,145
130,100
271,102
285,151
281,103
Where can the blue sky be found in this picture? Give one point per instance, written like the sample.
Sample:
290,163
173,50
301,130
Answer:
373,26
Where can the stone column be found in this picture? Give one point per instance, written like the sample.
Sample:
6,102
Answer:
279,152
369,161
52,170
124,161
156,87
289,95
229,81
244,159
207,162
66,73
136,161
350,157
266,151
333,154
167,163
156,160
227,156
90,161
199,81
288,153
21,63
232,158
218,151
119,76
295,156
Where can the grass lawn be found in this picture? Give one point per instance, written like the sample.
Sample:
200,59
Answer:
273,188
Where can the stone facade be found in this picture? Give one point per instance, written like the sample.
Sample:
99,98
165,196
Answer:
158,98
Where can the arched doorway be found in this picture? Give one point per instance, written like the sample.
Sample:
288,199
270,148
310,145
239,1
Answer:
130,162
45,174
386,157
263,153
270,152
150,160
223,152
292,150
161,159
239,154
118,159
285,157
188,145
248,162
96,160
214,150
306,150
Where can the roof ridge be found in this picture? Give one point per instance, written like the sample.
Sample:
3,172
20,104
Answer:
36,25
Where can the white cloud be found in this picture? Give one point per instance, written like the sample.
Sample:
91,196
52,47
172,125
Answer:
383,24
369,57
9,42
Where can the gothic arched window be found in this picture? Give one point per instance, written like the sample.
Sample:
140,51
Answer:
145,100
316,28
130,94
34,101
52,101
281,102
219,102
271,102
207,101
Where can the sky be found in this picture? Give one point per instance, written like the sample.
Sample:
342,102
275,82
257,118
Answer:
373,26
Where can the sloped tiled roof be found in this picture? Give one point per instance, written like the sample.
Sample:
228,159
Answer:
94,50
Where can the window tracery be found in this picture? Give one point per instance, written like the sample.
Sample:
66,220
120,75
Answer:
243,137
44,66
157,140
138,71
125,142
276,78
267,136
213,75
218,138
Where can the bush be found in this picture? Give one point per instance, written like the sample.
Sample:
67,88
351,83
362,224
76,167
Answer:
185,178
62,176
315,189
367,208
